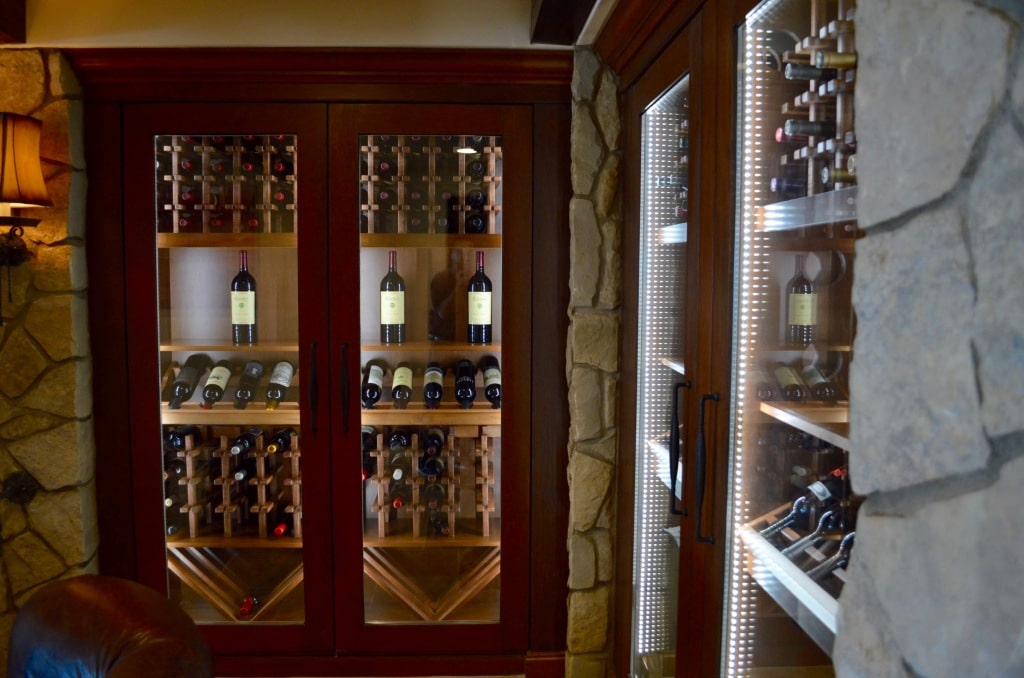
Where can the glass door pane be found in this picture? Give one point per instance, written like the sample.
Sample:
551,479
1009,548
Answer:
430,269
660,382
230,434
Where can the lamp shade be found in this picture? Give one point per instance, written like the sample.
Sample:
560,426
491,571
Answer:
21,177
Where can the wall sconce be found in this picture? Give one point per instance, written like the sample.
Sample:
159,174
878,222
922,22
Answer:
21,185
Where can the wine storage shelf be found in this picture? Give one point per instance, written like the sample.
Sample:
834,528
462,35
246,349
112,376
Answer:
287,414
430,240
230,240
448,413
830,423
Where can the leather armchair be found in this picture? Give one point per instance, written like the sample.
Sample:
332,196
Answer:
96,626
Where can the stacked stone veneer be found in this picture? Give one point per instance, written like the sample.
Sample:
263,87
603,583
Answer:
46,438
937,382
595,279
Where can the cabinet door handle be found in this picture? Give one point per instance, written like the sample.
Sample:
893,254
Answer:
311,381
700,470
674,450
344,387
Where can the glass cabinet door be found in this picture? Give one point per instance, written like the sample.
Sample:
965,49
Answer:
431,281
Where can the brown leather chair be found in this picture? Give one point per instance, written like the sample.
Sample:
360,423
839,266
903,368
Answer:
96,626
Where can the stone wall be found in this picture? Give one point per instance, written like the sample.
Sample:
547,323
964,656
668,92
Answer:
47,505
937,385
593,361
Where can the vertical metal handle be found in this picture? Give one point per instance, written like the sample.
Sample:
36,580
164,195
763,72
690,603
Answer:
700,467
344,387
674,450
314,397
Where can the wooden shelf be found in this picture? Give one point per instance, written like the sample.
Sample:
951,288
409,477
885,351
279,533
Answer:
223,345
237,542
223,412
431,240
813,210
830,423
240,240
464,536
432,347
448,414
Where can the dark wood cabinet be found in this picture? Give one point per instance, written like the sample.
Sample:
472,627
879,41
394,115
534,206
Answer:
160,264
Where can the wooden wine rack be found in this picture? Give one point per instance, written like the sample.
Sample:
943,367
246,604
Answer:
396,214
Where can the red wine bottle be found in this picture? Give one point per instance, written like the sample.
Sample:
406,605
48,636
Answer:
433,385
801,306
790,383
285,525
280,380
432,467
369,444
188,378
819,385
216,383
492,380
763,385
392,304
243,303
281,441
401,386
176,438
399,494
433,441
434,495
479,325
373,383
465,384
246,389
246,441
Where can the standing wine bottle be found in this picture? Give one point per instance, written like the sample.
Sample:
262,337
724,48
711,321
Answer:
401,386
492,381
281,441
801,306
188,378
216,383
373,382
246,441
479,324
246,389
433,385
392,304
790,383
243,303
280,380
465,384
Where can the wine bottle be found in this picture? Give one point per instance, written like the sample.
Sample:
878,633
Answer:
373,383
432,467
787,187
243,303
433,441
369,435
399,494
280,380
246,469
764,385
216,383
392,304
285,525
790,383
465,384
831,175
819,385
281,441
246,441
248,605
188,378
809,128
433,385
807,72
174,467
827,59
437,522
492,380
434,495
246,389
801,306
797,516
401,386
479,306
176,438
400,464
836,561
399,439
834,487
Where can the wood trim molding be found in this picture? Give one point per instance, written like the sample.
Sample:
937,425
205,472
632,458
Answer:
559,22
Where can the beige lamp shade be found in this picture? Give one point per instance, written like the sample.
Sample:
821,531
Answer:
21,177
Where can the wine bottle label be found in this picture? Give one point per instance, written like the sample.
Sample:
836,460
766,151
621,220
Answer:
219,376
787,376
376,375
392,308
282,374
492,377
433,376
403,377
803,308
243,308
479,308
820,490
813,377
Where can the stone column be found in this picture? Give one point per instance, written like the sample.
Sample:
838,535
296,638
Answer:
595,282
47,505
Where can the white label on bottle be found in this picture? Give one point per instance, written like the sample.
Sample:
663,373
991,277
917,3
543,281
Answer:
803,309
219,377
812,376
403,377
479,308
787,376
433,376
492,377
820,490
392,308
282,374
243,308
376,375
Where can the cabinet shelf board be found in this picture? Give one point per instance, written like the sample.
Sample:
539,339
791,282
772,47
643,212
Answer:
827,422
240,240
449,414
224,413
462,538
813,210
433,347
191,344
223,542
431,240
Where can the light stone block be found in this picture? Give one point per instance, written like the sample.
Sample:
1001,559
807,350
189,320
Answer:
914,410
52,457
28,424
22,73
586,68
48,321
589,483
587,149
605,555
584,262
594,337
30,562
585,404
55,144
606,106
609,294
582,562
23,363
68,519
908,54
588,620
55,391
586,666
606,187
